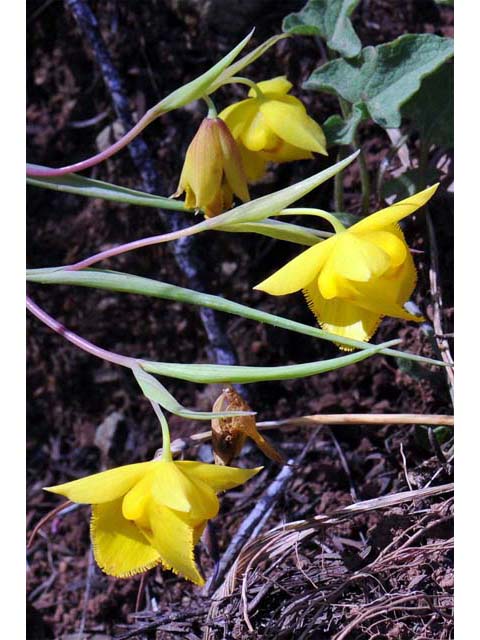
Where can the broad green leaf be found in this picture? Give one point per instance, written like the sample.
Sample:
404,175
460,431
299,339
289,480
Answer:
431,108
212,373
201,85
126,283
237,66
73,183
383,78
329,19
340,131
155,391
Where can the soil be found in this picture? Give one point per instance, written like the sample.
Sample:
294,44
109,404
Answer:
73,398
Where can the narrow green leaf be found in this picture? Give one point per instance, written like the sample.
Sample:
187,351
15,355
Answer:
329,19
155,391
278,230
126,283
79,185
272,203
212,373
237,66
201,85
383,78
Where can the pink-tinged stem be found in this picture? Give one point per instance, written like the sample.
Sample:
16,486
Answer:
34,171
131,246
78,341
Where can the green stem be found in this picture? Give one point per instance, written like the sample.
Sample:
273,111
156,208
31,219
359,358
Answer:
364,177
249,83
423,163
212,110
338,183
346,109
319,213
166,450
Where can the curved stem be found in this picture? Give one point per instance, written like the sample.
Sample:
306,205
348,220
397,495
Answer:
212,110
36,171
131,246
329,217
249,83
78,341
166,449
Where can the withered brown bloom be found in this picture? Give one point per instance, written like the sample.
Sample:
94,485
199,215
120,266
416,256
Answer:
229,434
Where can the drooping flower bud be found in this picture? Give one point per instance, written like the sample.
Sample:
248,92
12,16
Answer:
213,171
229,434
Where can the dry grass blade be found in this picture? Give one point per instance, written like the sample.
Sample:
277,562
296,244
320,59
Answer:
286,537
317,420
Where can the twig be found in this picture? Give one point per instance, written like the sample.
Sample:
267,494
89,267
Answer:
185,250
436,293
345,419
86,596
249,526
360,418
41,523
344,463
141,591
405,469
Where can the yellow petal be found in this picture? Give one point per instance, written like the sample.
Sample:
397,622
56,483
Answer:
198,531
173,538
285,152
237,116
330,283
288,119
276,86
174,489
190,200
232,162
219,478
403,281
341,316
136,500
300,271
253,163
104,486
394,213
386,308
391,244
257,135
390,291
119,547
205,163
355,258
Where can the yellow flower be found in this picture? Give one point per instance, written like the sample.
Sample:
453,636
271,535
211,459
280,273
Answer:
358,275
152,512
213,170
272,127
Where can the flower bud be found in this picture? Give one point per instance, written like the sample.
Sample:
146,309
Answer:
213,171
229,434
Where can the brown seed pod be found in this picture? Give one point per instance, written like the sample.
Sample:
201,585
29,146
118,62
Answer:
229,434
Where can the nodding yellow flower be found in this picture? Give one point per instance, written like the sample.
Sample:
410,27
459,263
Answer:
213,170
358,275
152,512
272,126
